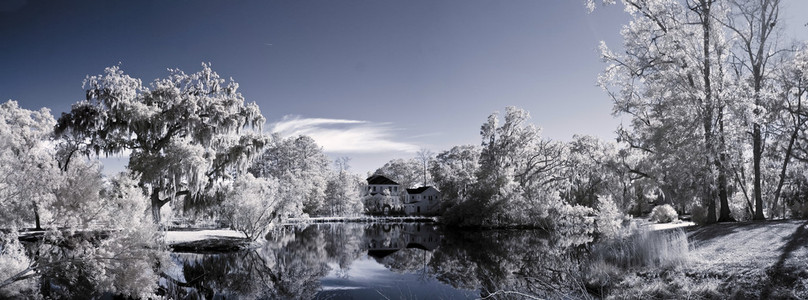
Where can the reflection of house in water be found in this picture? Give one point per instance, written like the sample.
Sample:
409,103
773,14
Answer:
385,239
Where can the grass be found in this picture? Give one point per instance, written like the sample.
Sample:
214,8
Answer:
742,260
642,249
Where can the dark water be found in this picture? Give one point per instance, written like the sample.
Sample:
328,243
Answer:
379,261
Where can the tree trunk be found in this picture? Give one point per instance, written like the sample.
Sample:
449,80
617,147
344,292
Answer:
798,124
708,110
725,214
757,153
710,205
157,204
36,215
783,169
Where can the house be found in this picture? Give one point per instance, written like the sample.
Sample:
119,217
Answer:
379,183
381,195
422,201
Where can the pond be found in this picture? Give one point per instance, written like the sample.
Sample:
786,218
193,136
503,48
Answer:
377,261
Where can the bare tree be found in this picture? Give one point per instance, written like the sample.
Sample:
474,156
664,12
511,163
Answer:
425,156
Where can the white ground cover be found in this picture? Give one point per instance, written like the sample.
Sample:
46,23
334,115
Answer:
175,237
671,225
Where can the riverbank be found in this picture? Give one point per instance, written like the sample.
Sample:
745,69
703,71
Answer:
362,219
743,260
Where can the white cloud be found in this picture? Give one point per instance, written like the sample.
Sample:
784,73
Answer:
344,136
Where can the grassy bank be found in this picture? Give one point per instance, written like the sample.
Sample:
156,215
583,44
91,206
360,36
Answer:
744,260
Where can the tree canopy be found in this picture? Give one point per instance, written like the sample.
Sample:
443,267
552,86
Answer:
183,133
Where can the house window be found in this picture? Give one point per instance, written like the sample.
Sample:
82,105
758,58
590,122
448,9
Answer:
374,188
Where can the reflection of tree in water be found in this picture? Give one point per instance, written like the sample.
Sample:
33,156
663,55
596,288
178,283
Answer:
409,260
93,264
344,243
503,262
289,265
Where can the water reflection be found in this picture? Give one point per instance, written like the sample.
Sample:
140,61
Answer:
384,260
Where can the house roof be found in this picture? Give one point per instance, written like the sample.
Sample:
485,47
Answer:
418,190
379,179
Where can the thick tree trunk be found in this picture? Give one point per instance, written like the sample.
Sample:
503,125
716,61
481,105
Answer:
157,204
709,110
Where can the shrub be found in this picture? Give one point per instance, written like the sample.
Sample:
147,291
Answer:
698,215
252,206
799,210
664,214
638,249
609,219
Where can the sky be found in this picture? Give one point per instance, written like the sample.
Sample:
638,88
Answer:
372,80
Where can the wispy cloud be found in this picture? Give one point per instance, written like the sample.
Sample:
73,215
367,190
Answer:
344,136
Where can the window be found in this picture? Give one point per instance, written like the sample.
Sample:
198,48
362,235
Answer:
374,188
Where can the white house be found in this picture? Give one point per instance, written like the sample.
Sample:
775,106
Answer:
382,195
422,201
379,183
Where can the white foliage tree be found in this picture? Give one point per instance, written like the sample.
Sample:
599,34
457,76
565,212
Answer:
253,205
27,167
301,168
185,132
342,194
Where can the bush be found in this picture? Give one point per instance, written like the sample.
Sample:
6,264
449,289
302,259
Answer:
609,219
799,210
638,249
699,215
252,206
664,214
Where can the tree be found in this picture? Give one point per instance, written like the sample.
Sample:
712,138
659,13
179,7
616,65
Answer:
301,168
27,167
425,156
185,133
405,172
122,258
672,82
790,122
454,174
519,177
753,23
342,194
253,205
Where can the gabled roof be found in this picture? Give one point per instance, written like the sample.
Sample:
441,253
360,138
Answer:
418,190
379,179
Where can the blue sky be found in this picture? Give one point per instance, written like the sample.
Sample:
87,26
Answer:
372,80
